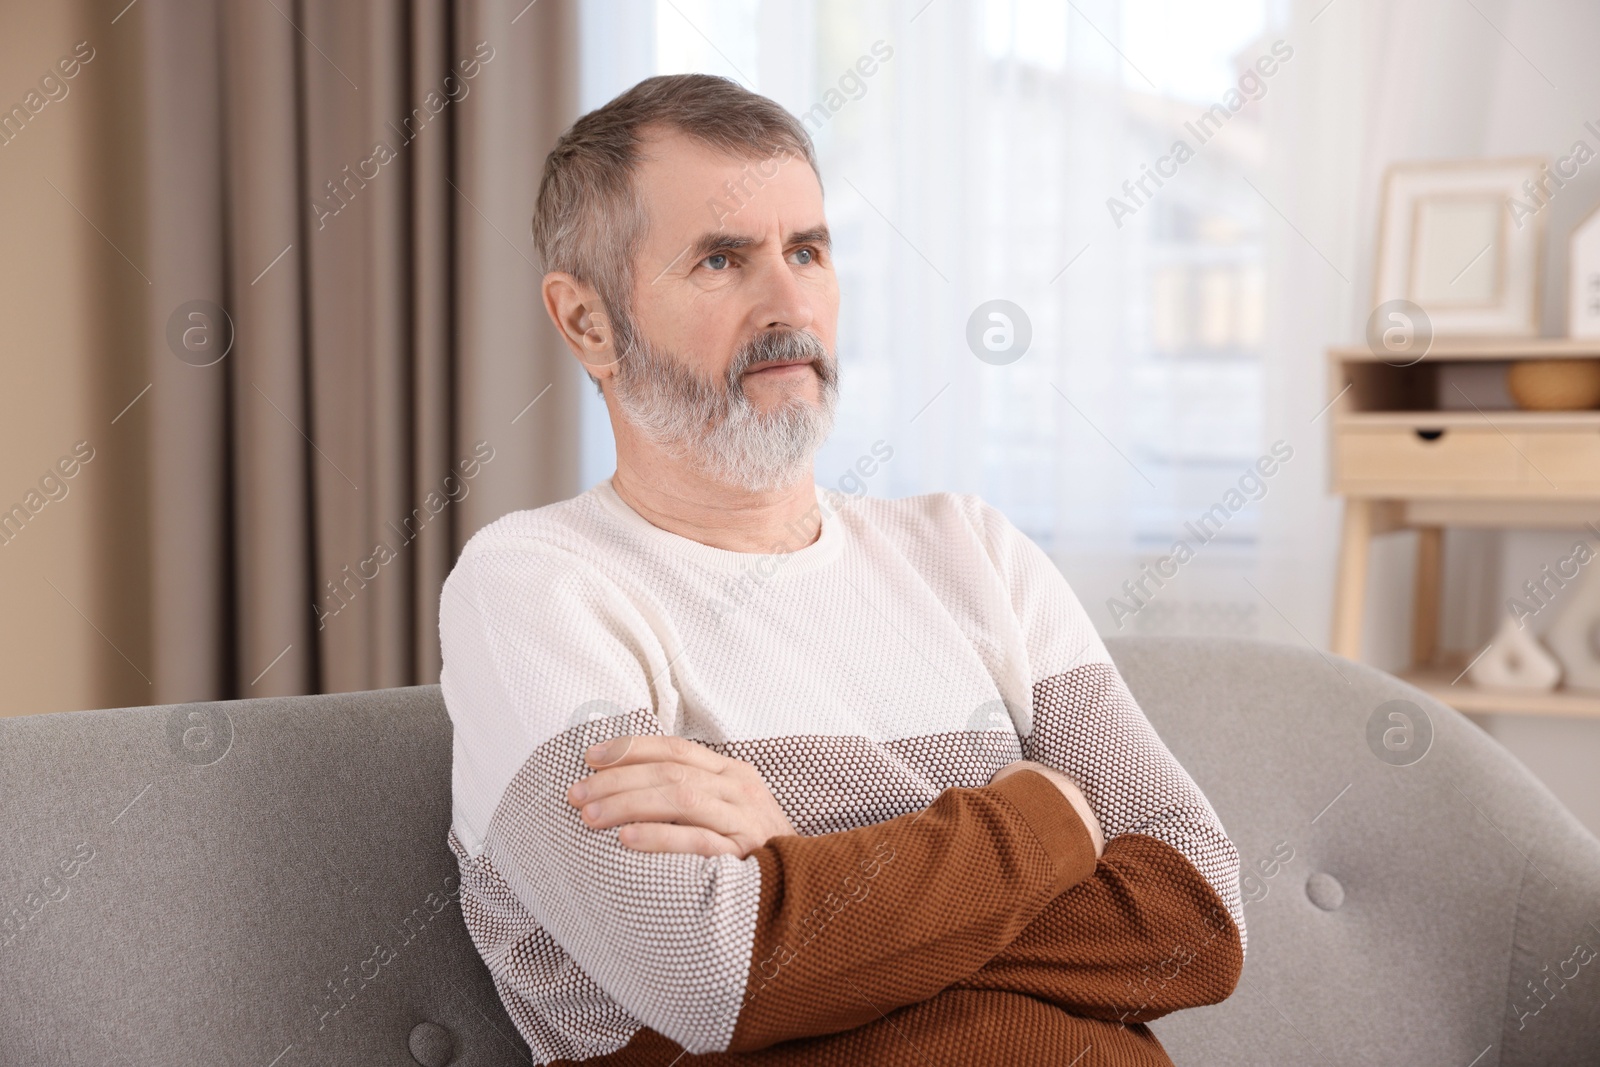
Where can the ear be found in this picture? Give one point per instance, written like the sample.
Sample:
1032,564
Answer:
575,308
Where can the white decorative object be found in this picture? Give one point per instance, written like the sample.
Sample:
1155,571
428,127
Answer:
1515,661
1574,634
1458,239
1583,279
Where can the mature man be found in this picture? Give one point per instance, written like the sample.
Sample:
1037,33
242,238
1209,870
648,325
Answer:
870,789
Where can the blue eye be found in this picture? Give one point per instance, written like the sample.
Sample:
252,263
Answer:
716,255
807,253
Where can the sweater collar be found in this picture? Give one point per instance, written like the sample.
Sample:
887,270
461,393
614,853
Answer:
825,548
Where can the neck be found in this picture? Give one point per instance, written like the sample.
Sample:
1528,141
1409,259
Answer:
722,516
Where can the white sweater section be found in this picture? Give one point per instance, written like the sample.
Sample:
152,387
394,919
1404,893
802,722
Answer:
895,622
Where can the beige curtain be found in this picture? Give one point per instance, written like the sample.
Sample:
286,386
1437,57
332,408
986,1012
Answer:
352,184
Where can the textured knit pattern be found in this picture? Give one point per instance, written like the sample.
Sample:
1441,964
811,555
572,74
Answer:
1088,725
883,672
1141,938
538,850
857,924
960,1028
811,776
1138,940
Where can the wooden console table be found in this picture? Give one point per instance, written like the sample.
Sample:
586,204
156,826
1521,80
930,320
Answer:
1402,463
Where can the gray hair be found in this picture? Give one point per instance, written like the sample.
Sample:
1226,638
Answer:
590,220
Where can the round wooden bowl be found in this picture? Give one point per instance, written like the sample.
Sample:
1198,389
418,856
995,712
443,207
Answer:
1555,384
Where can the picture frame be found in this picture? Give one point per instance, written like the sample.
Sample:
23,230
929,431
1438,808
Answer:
1583,277
1451,242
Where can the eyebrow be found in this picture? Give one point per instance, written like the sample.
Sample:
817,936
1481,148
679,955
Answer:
723,241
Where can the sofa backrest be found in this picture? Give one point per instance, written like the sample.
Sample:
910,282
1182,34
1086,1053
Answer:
1404,879
254,882
267,881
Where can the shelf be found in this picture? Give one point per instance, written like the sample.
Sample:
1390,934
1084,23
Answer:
1469,699
1444,348
1403,463
1498,418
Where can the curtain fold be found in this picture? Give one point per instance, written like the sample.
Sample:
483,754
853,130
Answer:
332,178
187,453
429,277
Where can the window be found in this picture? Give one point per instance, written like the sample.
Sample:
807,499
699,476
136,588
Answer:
1014,150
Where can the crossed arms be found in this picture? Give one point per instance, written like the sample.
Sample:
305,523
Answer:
995,888
766,937
1003,888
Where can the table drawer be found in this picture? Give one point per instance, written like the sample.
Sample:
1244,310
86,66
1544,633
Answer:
1399,456
1565,457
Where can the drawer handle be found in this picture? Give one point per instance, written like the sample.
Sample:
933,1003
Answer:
1430,435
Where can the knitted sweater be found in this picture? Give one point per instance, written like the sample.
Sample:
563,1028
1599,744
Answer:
877,678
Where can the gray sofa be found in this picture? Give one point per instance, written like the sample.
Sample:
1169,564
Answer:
266,882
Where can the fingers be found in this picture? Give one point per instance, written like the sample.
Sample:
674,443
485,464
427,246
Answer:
681,802
668,837
648,777
606,753
684,783
718,804
653,748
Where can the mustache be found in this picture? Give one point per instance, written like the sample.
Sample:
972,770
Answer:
782,345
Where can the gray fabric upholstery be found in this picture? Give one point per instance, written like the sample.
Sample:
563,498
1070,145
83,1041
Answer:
266,882
228,913
1440,918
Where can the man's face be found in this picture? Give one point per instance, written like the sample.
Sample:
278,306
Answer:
735,307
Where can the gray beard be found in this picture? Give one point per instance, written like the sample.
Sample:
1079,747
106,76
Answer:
714,427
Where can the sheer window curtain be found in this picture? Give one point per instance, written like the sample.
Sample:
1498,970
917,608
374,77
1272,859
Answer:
975,163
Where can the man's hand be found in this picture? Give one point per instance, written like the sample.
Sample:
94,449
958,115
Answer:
670,794
1069,789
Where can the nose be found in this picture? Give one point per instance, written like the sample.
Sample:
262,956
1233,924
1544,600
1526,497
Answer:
783,302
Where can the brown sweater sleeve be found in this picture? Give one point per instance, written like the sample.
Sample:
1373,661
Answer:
1144,936
856,924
